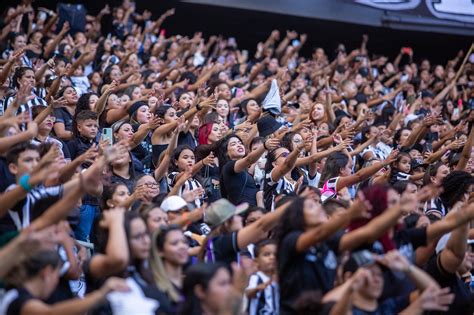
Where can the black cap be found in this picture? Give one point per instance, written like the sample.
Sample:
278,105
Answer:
427,93
267,125
132,109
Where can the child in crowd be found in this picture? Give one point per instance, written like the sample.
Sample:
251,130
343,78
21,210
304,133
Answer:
262,290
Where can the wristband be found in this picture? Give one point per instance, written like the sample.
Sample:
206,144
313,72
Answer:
24,182
264,146
199,107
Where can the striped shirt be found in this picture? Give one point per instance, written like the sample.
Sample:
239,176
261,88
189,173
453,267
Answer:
38,100
35,203
25,61
266,302
272,189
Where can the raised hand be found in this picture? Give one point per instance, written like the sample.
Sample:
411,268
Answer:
59,102
66,27
114,284
272,143
209,160
112,216
392,157
209,102
154,122
361,207
291,35
436,299
395,261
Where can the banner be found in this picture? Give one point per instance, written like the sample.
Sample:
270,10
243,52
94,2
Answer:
455,10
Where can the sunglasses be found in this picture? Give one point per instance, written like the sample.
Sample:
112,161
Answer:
284,154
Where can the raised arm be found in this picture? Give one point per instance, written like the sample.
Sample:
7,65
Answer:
244,163
452,256
7,67
453,220
335,223
308,160
466,152
7,142
56,40
365,173
376,227
76,305
282,169
259,229
116,254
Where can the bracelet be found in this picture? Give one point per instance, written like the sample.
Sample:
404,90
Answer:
199,107
264,146
24,182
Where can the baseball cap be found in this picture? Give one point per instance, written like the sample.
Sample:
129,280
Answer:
173,203
222,210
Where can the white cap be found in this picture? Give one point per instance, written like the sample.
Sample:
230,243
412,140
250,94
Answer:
173,203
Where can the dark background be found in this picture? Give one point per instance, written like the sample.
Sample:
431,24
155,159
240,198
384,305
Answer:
250,27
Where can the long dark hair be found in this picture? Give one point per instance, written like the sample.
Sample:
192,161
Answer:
431,171
83,102
175,156
291,220
271,157
455,185
140,265
200,274
19,72
334,163
222,155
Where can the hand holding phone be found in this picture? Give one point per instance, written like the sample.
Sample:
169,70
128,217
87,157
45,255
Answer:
108,136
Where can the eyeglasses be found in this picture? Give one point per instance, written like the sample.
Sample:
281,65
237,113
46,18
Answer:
150,185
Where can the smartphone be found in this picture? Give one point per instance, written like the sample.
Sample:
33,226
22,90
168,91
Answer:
404,78
295,43
108,135
245,53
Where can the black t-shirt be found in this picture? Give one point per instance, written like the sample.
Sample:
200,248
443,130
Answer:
314,269
237,187
129,182
16,298
63,116
463,299
78,146
408,240
222,248
187,139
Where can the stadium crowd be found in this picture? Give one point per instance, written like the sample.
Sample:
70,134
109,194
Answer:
149,174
